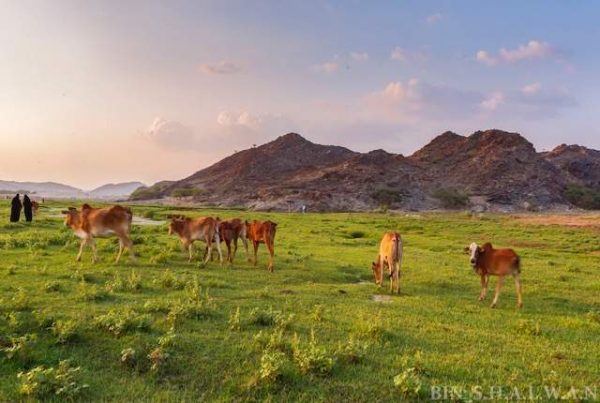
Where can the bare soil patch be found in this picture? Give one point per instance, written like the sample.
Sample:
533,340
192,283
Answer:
567,220
381,298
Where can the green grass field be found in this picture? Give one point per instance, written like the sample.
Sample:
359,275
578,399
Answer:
164,329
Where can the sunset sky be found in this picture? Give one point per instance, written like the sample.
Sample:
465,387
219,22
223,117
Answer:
109,91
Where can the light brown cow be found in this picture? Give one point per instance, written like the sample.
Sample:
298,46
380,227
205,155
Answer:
487,261
35,206
230,231
91,222
196,229
262,232
390,255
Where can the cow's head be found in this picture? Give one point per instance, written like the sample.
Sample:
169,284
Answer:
473,251
377,271
71,217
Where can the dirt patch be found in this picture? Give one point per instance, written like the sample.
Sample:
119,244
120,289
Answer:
381,298
595,253
567,220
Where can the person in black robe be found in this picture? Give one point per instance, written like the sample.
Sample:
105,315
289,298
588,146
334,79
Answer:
15,209
27,208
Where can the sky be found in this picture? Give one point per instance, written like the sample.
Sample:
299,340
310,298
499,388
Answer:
93,92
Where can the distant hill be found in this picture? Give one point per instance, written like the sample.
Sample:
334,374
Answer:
490,169
61,191
115,190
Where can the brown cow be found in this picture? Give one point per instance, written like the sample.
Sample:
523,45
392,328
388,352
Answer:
230,231
91,222
35,206
487,261
262,232
390,255
192,229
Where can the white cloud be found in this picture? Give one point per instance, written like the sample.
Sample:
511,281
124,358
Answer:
327,67
360,56
245,119
531,89
493,101
484,57
398,54
171,134
219,68
433,18
532,50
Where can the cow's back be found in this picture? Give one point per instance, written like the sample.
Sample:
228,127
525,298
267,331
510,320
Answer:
389,246
106,219
501,261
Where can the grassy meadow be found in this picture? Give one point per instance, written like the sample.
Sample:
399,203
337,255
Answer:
317,329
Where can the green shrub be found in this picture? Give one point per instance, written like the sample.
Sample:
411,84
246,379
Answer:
386,197
584,197
410,384
65,331
451,198
43,383
235,320
20,348
272,364
134,281
127,320
92,293
353,351
169,280
312,358
52,286
186,192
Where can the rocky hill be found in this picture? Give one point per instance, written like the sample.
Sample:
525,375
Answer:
490,169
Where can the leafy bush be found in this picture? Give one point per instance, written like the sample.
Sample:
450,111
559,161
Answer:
170,280
451,198
20,301
312,358
134,281
235,320
92,293
532,328
269,317
410,384
186,192
42,382
272,364
387,197
584,197
65,331
353,351
126,320
20,348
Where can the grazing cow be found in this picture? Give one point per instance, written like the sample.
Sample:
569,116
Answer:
262,232
487,261
193,229
230,231
390,255
35,206
91,222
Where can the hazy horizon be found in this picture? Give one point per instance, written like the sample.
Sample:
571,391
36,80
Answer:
106,92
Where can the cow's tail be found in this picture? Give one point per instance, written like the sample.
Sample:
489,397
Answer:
517,264
128,214
397,247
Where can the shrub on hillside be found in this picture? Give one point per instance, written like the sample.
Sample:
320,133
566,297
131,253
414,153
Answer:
43,383
584,197
451,198
386,197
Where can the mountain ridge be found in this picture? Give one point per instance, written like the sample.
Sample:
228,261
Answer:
496,168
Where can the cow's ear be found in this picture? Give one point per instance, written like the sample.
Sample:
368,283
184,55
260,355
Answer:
66,212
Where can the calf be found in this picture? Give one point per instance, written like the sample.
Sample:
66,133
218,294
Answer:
230,231
262,232
192,229
91,222
487,261
390,255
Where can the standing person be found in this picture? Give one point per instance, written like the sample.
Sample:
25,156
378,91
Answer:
27,208
15,209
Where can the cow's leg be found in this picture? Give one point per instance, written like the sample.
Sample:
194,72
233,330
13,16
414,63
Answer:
235,244
81,245
245,241
209,248
121,247
92,243
229,253
129,246
190,248
519,290
218,240
255,245
397,277
271,248
498,287
484,285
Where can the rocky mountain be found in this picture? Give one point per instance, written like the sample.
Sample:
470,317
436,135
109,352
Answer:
60,191
490,169
42,189
115,190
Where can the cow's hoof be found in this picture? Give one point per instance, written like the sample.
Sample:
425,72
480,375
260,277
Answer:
520,306
493,306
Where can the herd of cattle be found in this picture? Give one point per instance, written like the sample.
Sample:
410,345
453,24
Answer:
89,222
